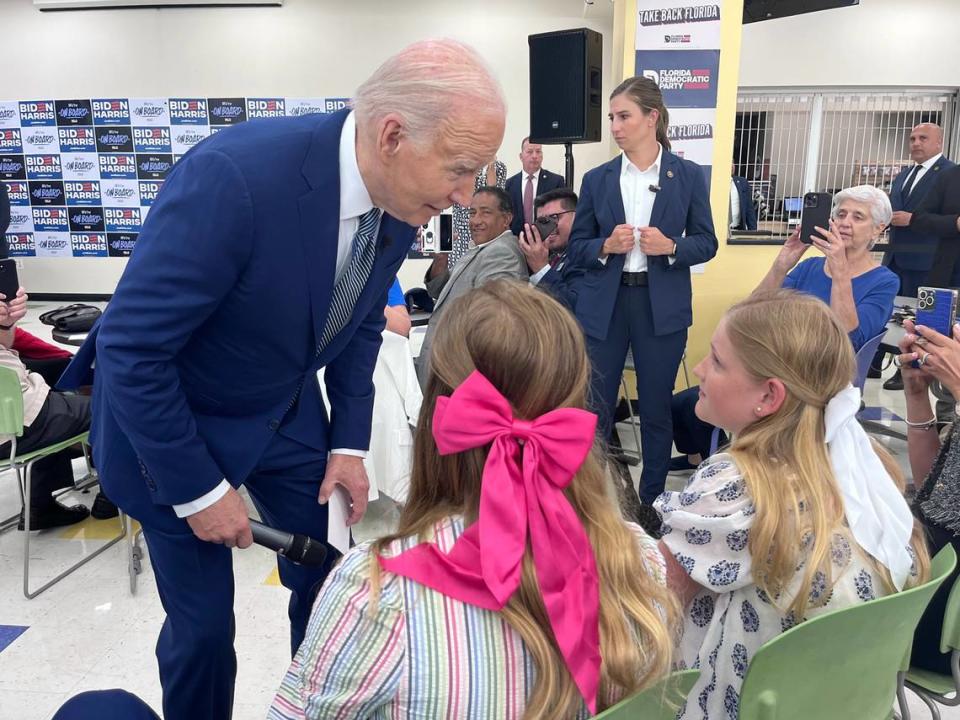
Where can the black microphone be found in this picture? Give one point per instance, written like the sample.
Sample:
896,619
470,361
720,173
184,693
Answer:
654,188
300,549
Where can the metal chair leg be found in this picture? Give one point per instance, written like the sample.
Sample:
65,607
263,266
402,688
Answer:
633,424
135,552
683,364
25,491
902,697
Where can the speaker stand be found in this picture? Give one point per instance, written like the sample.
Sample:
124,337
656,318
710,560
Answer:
568,163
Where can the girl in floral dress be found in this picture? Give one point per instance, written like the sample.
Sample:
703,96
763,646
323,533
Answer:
801,515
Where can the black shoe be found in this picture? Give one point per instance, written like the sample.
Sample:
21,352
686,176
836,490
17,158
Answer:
894,383
54,515
681,463
102,508
873,373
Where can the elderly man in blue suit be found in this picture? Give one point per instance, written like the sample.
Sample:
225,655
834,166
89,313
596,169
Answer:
642,221
911,251
267,256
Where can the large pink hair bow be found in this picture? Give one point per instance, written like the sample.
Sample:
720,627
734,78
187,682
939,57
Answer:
529,464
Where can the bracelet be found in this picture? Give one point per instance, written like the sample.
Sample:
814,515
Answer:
925,425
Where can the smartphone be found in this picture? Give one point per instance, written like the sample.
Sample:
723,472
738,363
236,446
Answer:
546,225
446,233
9,284
937,309
816,213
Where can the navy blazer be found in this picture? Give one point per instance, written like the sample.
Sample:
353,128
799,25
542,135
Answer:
909,236
210,343
546,182
681,211
748,214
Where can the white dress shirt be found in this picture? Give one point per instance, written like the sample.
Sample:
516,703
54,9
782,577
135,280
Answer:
924,167
638,204
734,205
539,275
354,202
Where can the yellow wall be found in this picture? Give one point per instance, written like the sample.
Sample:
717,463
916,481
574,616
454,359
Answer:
736,269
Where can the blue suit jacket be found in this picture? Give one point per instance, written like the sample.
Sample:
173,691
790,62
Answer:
681,211
906,236
748,214
545,183
210,343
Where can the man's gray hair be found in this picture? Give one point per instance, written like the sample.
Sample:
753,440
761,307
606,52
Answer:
423,82
880,209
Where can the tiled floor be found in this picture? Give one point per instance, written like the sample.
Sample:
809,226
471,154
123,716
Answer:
89,632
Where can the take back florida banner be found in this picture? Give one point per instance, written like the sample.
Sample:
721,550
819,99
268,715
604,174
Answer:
82,174
678,47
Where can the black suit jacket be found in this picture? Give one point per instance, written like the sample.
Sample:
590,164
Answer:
937,215
514,187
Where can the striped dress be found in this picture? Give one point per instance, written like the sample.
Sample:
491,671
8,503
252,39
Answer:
421,655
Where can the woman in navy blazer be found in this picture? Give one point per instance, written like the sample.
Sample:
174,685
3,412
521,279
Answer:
642,221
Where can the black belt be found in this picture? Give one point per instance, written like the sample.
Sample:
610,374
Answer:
633,279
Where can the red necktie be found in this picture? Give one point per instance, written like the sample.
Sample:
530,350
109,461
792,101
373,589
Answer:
528,200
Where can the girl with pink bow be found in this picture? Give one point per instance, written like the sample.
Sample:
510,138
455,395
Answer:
512,589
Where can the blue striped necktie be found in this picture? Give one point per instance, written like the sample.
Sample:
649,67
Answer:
351,282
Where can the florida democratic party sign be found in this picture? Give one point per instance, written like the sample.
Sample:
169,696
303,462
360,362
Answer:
678,47
82,174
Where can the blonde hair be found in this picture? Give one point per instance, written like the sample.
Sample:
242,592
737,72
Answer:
646,93
797,339
532,350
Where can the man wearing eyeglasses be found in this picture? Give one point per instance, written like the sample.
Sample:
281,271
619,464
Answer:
546,256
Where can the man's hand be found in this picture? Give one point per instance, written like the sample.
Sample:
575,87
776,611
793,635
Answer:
225,522
533,248
348,472
13,311
15,308
901,218
620,241
654,242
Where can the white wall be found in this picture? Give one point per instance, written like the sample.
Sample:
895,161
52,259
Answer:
911,43
305,48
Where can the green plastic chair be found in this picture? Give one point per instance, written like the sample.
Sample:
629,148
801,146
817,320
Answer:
842,664
660,701
933,687
11,426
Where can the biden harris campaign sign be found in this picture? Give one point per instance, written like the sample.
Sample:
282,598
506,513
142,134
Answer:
83,173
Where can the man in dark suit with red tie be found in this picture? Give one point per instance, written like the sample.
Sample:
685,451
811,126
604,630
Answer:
527,185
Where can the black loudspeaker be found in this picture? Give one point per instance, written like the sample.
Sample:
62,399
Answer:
566,71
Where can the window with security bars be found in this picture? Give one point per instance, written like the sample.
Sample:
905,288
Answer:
788,144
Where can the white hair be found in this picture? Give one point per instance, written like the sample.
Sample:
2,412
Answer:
421,83
880,209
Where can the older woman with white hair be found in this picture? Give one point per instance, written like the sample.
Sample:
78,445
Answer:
858,288
847,277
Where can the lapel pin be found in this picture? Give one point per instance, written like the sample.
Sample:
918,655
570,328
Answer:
669,173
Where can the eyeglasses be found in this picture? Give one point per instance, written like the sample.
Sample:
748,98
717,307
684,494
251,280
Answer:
555,216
